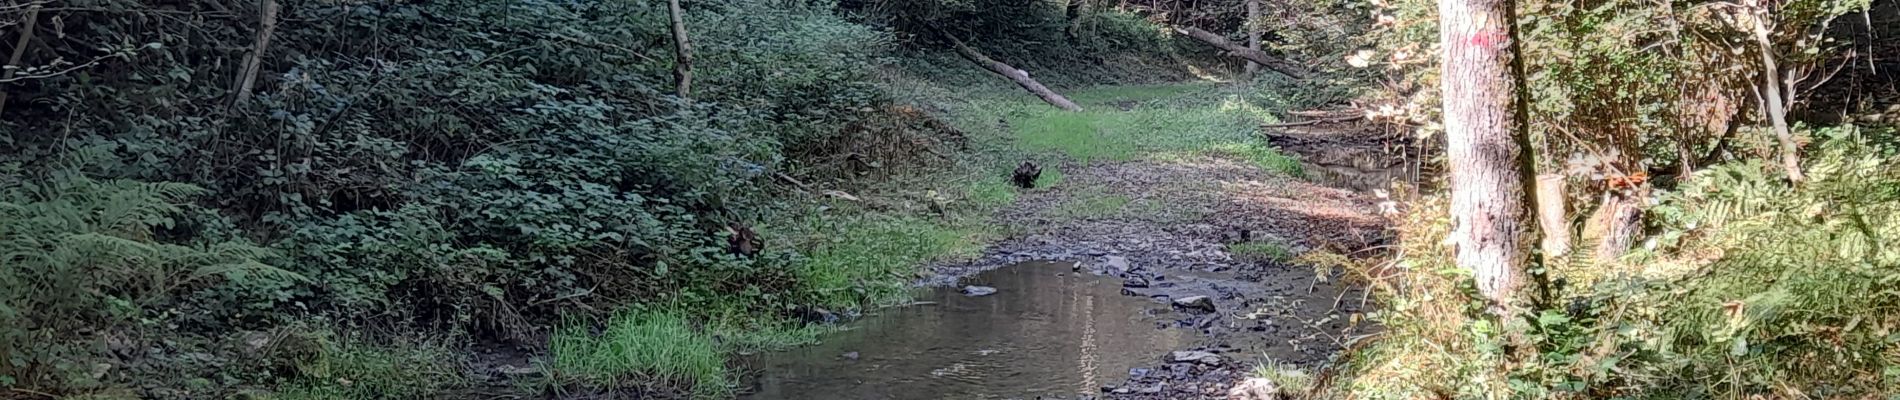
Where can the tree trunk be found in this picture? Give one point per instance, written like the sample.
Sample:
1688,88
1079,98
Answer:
1552,216
682,51
1277,65
1775,103
266,26
19,48
1484,143
1253,33
1613,226
1019,76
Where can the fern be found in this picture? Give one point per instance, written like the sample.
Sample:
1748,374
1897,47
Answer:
79,255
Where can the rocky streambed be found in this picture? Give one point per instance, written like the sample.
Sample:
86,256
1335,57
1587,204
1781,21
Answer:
1176,293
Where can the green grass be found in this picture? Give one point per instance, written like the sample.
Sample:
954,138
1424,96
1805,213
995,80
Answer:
1268,251
640,347
1051,175
348,370
1170,121
1108,95
871,260
991,192
1264,157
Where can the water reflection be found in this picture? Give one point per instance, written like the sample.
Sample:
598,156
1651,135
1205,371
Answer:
1046,332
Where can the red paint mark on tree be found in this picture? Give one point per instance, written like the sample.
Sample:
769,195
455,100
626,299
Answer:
1487,38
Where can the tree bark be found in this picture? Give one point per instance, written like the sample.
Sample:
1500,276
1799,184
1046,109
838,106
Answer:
1277,65
1016,75
1253,33
1775,103
1484,143
19,49
267,26
1552,216
1613,226
682,51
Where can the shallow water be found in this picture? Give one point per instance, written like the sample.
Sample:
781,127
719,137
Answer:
1047,331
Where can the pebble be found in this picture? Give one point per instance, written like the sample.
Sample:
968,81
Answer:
974,291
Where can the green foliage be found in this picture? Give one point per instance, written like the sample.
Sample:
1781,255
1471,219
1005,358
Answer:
643,347
1060,46
1750,287
79,257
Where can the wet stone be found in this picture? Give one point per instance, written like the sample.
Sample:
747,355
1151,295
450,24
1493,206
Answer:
1135,282
1195,357
1195,303
974,291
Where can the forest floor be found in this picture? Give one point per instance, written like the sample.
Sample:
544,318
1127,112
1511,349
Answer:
1173,189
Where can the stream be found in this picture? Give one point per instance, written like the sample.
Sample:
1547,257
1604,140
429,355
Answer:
1048,332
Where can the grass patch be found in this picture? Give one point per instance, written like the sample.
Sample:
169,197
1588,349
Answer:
993,192
1172,119
1106,95
871,260
1267,251
641,347
349,370
1264,157
1291,379
1051,175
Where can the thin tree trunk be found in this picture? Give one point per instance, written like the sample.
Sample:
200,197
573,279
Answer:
1277,65
1484,143
267,26
1016,75
19,49
1253,33
682,51
1775,104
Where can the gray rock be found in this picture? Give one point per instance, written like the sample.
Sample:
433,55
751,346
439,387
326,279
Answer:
974,291
853,356
1156,388
1196,357
1135,282
1195,303
1255,389
1115,265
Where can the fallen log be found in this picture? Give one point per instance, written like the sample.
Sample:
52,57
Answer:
1016,75
1314,122
1259,57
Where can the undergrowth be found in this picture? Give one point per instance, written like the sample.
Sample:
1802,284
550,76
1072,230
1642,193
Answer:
1749,288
